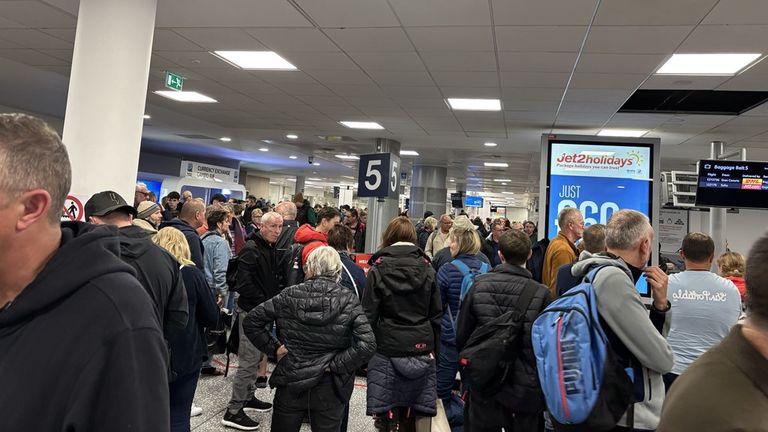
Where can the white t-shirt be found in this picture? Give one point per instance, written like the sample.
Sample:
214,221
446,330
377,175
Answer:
704,308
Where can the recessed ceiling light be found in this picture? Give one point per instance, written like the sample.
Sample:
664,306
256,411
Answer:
706,64
267,141
293,157
225,139
316,164
292,136
504,184
508,193
502,180
263,149
361,125
452,180
347,157
622,133
490,144
261,60
349,177
496,164
474,104
185,96
409,153
315,179
147,116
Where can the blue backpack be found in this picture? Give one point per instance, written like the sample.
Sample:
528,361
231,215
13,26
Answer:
466,283
584,385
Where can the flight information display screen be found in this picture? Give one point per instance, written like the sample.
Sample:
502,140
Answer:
737,184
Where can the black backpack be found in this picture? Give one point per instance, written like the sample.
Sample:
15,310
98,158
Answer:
294,272
232,273
489,355
535,263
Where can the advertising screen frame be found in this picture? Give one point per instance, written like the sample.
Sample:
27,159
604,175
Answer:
738,197
653,144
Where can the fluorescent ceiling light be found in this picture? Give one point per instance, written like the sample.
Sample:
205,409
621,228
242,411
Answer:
225,139
263,149
409,153
361,125
452,180
474,104
706,64
490,144
502,180
267,141
347,157
316,164
292,136
634,133
293,157
185,96
504,184
147,116
262,60
349,177
315,179
496,164
508,193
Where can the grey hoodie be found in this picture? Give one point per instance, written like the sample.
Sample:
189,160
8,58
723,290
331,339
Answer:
621,308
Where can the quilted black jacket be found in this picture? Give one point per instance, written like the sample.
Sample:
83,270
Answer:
493,294
323,327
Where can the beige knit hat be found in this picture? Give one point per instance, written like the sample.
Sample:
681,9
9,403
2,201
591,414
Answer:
146,209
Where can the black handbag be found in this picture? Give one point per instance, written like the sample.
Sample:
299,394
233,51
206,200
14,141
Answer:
216,337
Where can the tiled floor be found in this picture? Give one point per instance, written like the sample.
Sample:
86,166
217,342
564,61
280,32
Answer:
213,394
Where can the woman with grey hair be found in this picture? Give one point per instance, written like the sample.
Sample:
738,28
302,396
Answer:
324,338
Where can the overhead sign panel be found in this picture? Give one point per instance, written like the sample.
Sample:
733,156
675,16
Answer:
379,175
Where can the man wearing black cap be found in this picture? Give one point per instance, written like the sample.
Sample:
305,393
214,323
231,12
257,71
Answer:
157,271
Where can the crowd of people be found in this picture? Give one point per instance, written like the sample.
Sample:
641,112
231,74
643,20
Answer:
106,320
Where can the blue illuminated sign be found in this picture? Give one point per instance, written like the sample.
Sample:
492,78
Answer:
473,201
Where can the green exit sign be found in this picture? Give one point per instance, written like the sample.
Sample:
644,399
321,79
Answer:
173,81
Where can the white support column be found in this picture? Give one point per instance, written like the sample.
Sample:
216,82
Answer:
107,94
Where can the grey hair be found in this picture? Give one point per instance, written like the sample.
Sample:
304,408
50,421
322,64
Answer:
566,215
287,210
32,156
268,216
430,223
625,229
324,261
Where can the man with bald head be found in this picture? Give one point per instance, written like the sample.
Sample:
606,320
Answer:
191,217
439,238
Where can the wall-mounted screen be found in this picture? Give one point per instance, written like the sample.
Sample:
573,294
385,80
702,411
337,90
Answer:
599,177
473,201
732,184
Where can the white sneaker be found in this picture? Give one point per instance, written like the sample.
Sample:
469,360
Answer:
196,411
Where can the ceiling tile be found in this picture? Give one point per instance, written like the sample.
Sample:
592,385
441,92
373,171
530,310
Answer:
349,13
539,38
543,12
532,93
684,82
411,78
5,23
606,81
6,44
530,105
33,39
371,39
293,77
635,39
657,12
409,102
736,12
35,14
591,107
599,95
727,38
414,92
620,63
472,92
442,12
305,89
221,39
351,77
451,38
31,57
534,79
65,55
466,79
65,34
323,100
356,90
233,13
536,61
321,61
401,61
460,60
194,59
167,40
293,39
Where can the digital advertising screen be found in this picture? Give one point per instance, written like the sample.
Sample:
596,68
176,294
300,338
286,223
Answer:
473,201
737,184
599,178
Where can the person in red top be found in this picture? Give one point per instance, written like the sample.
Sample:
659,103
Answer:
306,235
730,265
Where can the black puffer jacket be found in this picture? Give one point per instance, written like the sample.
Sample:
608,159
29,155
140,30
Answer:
402,301
323,327
492,295
257,273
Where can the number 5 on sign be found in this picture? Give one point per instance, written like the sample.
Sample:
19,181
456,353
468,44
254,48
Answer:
378,175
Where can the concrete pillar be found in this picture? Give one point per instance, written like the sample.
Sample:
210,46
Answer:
300,181
107,93
428,190
380,210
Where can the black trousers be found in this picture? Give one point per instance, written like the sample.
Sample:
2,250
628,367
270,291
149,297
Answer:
326,408
487,415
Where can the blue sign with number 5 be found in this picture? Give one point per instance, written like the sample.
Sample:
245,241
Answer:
379,175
